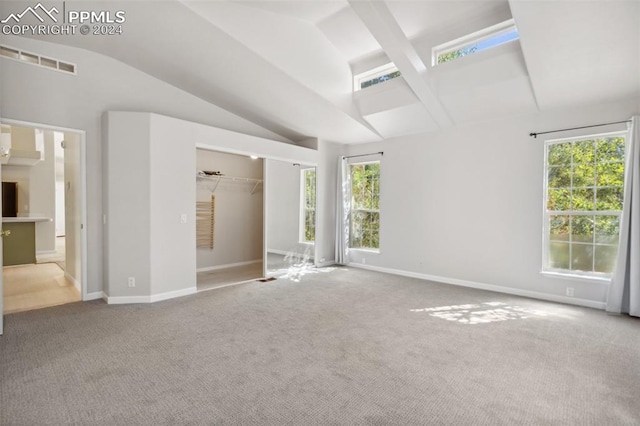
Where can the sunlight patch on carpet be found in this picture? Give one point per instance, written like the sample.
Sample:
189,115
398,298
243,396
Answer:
296,272
482,313
295,265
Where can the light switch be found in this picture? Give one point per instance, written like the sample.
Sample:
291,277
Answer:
183,218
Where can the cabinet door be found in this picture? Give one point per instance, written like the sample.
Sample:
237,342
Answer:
19,247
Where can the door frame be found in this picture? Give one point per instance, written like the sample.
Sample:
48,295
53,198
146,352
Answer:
83,192
265,200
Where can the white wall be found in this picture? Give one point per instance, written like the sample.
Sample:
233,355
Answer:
328,153
38,95
24,138
465,204
59,185
149,185
127,208
42,195
282,184
238,226
171,195
72,206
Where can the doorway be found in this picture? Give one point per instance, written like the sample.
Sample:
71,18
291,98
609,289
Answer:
229,219
43,258
291,219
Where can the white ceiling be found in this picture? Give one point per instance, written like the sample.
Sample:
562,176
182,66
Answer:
580,52
288,65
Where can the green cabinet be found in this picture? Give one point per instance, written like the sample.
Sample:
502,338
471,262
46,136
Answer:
19,247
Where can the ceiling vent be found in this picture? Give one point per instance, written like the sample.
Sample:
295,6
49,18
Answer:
34,59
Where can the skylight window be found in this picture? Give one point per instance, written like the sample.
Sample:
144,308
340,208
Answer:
487,38
375,76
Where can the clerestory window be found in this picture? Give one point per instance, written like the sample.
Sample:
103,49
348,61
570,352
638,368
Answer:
475,42
375,76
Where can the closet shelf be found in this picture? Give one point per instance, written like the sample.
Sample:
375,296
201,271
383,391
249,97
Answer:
218,178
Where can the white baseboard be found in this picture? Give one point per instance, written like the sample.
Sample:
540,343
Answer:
94,296
327,263
229,265
122,300
41,252
75,282
484,286
173,294
276,251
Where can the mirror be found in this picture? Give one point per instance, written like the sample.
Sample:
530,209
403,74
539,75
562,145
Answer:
291,218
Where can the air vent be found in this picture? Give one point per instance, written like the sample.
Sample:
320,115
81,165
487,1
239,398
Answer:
35,59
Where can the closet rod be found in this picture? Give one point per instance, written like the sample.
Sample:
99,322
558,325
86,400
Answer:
362,155
535,134
234,178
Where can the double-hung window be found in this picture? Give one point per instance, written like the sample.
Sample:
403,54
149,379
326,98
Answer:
308,205
584,179
365,205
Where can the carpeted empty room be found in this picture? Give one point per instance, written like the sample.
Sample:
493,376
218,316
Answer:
342,346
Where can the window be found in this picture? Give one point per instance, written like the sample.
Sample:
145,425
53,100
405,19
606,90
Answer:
375,76
308,204
365,205
584,181
476,42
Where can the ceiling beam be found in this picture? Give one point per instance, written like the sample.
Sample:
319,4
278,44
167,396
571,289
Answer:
377,17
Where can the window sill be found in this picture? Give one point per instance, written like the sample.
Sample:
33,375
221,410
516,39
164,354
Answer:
575,277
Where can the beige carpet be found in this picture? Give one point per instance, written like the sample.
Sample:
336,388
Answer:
208,280
348,347
28,287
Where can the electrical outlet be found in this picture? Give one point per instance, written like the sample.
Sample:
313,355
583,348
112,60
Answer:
132,282
364,260
570,291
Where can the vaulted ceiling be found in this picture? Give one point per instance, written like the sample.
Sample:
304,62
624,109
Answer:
288,65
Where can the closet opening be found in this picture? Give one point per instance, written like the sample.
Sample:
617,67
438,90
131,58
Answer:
229,219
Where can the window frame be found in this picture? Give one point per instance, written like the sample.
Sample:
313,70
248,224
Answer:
547,214
378,211
302,226
474,38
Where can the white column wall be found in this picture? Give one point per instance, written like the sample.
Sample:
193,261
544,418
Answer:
150,184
